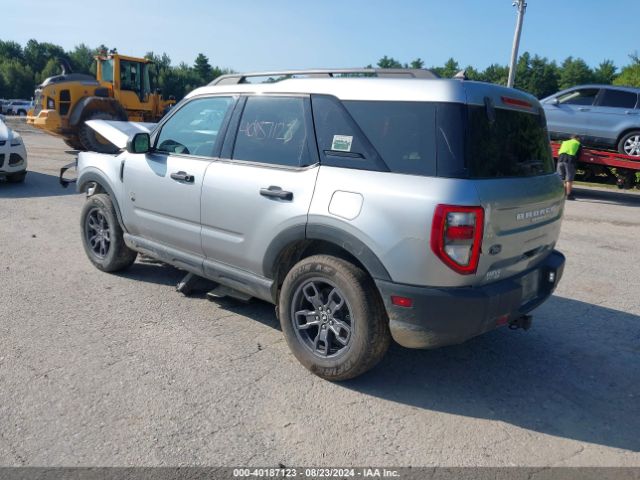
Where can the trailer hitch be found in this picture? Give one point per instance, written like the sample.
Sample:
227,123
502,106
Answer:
523,322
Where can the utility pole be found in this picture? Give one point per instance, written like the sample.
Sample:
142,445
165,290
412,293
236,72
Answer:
521,5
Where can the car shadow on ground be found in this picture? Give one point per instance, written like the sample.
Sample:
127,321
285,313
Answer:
36,184
614,197
575,374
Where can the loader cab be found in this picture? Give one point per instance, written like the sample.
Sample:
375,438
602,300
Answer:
129,79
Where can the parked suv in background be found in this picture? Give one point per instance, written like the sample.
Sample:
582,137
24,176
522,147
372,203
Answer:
421,209
603,116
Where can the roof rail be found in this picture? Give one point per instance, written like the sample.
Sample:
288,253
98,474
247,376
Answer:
236,78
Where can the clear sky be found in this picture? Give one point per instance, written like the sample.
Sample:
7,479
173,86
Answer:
250,35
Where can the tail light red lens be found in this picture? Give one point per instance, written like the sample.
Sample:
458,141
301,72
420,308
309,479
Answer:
456,236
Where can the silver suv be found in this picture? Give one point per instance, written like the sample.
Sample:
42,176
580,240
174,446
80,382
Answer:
602,115
421,209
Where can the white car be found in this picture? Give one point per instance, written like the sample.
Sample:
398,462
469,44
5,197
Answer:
13,154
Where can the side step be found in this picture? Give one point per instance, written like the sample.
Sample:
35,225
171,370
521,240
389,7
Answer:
222,291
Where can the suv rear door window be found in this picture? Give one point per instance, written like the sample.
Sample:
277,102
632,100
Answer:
273,130
617,99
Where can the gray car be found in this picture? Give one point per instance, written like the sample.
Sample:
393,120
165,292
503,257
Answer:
418,209
603,116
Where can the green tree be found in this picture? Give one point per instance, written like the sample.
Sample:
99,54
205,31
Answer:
495,73
450,68
203,68
574,72
537,75
82,59
389,62
10,51
18,79
417,63
630,75
51,68
605,73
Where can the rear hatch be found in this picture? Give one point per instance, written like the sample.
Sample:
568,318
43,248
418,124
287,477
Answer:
507,156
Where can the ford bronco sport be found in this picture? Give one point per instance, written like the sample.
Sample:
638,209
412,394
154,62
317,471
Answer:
418,209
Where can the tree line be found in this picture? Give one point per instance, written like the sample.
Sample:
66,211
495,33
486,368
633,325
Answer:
23,68
537,75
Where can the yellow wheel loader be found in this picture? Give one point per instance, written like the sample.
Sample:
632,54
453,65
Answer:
120,91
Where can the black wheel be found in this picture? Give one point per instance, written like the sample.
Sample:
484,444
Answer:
17,177
91,140
102,235
73,142
22,113
333,318
630,144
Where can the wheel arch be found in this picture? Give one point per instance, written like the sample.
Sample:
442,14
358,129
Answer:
300,241
626,132
86,179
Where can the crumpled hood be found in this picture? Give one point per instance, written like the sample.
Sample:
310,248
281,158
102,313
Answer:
118,132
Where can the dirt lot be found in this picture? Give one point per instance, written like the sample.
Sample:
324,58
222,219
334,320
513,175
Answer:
100,369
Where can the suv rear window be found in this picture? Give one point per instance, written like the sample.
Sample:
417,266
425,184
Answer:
617,99
513,144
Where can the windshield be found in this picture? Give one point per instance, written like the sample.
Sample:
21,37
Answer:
107,70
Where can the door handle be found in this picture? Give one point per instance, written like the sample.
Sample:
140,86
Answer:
182,177
628,112
276,192
583,109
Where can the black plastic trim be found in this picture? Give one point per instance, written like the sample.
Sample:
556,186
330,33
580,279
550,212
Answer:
446,316
92,176
351,244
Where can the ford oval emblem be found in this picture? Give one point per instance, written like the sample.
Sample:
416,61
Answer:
495,249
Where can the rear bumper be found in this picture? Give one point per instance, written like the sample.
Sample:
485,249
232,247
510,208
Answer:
446,316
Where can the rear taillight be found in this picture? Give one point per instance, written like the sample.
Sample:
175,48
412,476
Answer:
456,236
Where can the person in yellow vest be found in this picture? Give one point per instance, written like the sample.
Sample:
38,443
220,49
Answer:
567,160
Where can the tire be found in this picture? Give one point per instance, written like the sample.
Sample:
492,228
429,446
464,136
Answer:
17,177
356,333
108,251
73,142
91,140
22,113
630,144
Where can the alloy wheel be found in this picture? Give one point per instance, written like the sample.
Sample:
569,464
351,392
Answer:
322,318
98,232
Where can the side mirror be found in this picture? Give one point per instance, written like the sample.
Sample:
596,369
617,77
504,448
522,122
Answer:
139,143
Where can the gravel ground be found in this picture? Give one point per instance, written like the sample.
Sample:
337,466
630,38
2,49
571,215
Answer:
101,369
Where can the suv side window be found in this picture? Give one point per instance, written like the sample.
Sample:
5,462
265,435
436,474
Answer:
273,130
617,99
403,133
584,96
340,140
194,128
